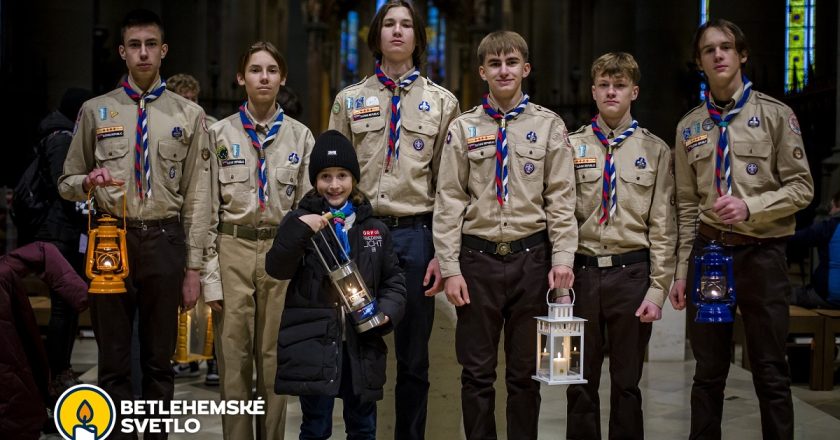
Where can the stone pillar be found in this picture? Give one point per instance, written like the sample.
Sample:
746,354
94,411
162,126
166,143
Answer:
315,30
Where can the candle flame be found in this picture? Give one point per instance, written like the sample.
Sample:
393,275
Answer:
85,412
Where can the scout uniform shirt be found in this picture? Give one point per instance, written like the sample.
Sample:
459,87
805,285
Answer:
235,182
645,214
768,167
105,138
541,187
362,113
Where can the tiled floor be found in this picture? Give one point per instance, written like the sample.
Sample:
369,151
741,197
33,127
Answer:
665,386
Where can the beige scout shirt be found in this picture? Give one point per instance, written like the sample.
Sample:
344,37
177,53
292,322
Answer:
541,187
235,182
362,113
768,167
645,215
105,138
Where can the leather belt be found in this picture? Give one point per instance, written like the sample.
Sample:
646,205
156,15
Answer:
505,247
728,238
135,223
406,221
248,233
606,261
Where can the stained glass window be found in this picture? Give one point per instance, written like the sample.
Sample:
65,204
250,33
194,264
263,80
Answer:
349,48
436,49
799,44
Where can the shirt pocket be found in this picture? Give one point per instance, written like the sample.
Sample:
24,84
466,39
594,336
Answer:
286,182
417,139
172,155
704,168
588,184
482,166
234,186
366,135
529,162
109,154
752,165
638,190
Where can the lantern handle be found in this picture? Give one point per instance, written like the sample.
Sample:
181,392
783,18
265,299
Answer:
548,295
90,207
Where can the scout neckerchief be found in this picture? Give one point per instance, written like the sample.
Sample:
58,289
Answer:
339,221
395,123
141,140
260,146
722,156
608,197
501,143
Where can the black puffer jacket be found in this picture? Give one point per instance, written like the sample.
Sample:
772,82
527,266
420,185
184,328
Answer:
310,340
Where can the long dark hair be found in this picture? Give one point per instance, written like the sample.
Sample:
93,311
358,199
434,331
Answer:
419,25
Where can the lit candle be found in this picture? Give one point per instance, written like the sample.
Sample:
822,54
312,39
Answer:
84,432
561,365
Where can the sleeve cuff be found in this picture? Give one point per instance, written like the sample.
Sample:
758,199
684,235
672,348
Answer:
449,269
682,271
212,291
563,258
195,258
656,296
754,208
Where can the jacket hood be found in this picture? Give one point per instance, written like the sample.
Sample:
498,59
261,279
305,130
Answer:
54,121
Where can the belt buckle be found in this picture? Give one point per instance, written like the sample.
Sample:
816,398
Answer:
503,248
605,261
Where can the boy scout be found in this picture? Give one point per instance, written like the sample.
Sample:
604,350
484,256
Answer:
258,173
741,174
626,240
397,121
165,182
503,242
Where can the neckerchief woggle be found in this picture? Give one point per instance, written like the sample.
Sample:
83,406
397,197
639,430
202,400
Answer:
142,164
501,143
608,192
261,146
395,122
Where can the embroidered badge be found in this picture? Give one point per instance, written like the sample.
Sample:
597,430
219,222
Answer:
348,103
113,114
365,113
708,124
371,101
172,172
753,122
177,132
337,107
696,141
424,106
531,136
372,239
794,124
109,132
418,144
360,102
585,162
290,190
797,153
752,168
448,137
686,133
696,128
471,131
294,158
205,154
221,152
231,162
103,113
481,141
582,150
641,163
529,168
235,148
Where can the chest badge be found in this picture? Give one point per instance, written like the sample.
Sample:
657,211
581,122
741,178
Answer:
472,131
418,144
103,113
371,101
348,103
360,102
235,148
177,132
172,172
754,122
531,136
221,152
113,114
708,124
294,158
529,168
290,190
424,106
686,133
641,163
581,150
752,168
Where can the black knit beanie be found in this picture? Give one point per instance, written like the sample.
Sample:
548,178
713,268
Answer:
332,149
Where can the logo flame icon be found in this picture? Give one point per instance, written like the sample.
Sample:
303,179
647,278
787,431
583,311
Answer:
85,412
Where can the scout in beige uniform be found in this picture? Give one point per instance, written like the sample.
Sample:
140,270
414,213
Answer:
626,242
503,241
259,160
165,180
399,152
750,214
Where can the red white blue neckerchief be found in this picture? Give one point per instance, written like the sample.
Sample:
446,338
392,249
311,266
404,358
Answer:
142,164
260,146
723,182
501,143
340,220
608,193
395,123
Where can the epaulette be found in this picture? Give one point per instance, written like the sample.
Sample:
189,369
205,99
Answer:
477,108
580,130
442,89
654,137
770,99
692,110
355,84
540,109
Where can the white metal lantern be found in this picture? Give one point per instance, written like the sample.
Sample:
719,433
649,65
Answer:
559,345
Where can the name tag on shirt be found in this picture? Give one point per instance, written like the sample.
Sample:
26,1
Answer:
109,132
366,113
585,162
481,141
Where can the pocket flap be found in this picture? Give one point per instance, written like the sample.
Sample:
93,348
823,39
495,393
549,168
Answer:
699,153
172,150
367,125
234,174
423,127
481,153
587,175
531,152
753,149
639,177
286,175
111,149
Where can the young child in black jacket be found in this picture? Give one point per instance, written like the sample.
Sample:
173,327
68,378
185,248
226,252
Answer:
319,354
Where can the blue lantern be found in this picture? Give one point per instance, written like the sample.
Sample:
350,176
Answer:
714,286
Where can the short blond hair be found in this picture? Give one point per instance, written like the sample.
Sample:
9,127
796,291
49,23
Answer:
502,42
183,82
616,64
